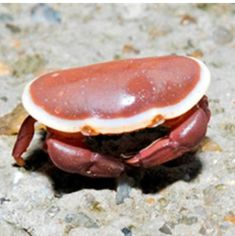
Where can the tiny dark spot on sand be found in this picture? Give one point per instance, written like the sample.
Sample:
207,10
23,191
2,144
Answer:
126,231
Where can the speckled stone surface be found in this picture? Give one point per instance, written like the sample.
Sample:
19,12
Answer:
191,196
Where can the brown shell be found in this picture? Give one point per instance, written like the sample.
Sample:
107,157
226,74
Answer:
116,89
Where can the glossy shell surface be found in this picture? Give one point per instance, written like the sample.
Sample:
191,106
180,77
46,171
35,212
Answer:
119,96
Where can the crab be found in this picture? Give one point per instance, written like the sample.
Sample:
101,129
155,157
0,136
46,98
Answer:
117,98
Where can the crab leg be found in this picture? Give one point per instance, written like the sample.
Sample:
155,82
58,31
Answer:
82,161
24,138
182,138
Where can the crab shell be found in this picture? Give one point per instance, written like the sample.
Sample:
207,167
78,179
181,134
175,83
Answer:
118,96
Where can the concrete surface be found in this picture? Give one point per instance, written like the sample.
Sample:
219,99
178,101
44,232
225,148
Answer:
191,196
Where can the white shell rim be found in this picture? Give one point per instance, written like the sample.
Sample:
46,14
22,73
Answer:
119,125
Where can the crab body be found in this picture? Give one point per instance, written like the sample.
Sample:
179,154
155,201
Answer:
116,98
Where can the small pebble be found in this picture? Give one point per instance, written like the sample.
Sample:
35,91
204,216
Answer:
150,200
10,124
209,145
129,48
202,230
186,177
196,53
4,17
96,206
221,35
28,64
84,220
165,229
187,19
208,228
4,69
163,202
230,218
220,187
13,28
123,189
126,231
3,199
4,98
225,225
188,220
70,217
45,13
80,219
52,211
229,128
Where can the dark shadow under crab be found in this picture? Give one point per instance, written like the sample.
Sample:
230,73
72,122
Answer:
152,180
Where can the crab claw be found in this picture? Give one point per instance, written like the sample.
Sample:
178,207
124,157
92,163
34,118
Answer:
23,140
82,161
183,138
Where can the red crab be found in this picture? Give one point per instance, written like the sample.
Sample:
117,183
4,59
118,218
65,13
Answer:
114,98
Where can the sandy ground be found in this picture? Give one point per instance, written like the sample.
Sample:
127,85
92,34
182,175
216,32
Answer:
192,196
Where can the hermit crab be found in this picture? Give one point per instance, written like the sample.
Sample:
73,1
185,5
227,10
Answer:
105,118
